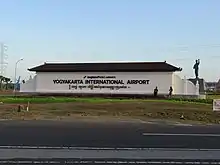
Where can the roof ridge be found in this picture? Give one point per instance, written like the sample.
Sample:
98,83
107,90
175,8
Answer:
107,67
129,62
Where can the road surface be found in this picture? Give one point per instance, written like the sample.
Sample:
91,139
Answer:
115,134
93,142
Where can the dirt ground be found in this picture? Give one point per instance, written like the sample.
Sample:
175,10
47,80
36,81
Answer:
137,110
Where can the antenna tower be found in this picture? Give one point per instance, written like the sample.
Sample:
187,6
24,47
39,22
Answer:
3,58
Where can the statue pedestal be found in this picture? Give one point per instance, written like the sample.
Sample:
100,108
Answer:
200,84
197,87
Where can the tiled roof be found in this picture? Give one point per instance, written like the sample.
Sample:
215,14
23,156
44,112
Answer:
107,67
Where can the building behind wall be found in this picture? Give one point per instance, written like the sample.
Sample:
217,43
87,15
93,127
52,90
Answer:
211,86
108,78
218,86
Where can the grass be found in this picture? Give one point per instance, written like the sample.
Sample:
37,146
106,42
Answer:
67,107
213,96
42,100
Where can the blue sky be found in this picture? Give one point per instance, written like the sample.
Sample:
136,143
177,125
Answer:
112,30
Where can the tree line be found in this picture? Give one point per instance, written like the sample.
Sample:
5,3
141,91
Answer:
5,83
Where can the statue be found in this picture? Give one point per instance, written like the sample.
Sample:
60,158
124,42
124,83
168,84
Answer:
196,68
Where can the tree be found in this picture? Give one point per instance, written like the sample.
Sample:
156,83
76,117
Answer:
1,81
6,80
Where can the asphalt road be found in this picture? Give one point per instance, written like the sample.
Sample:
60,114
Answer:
98,142
107,134
107,161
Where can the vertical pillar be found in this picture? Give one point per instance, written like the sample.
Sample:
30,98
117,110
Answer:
197,87
185,85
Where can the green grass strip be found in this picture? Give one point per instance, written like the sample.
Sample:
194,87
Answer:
95,100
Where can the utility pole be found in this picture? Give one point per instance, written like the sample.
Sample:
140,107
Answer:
3,57
16,65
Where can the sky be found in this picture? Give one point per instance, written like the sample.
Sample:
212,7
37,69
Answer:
112,30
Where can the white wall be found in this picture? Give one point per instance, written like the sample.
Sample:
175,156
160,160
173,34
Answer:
178,85
162,80
183,87
29,85
43,83
191,88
